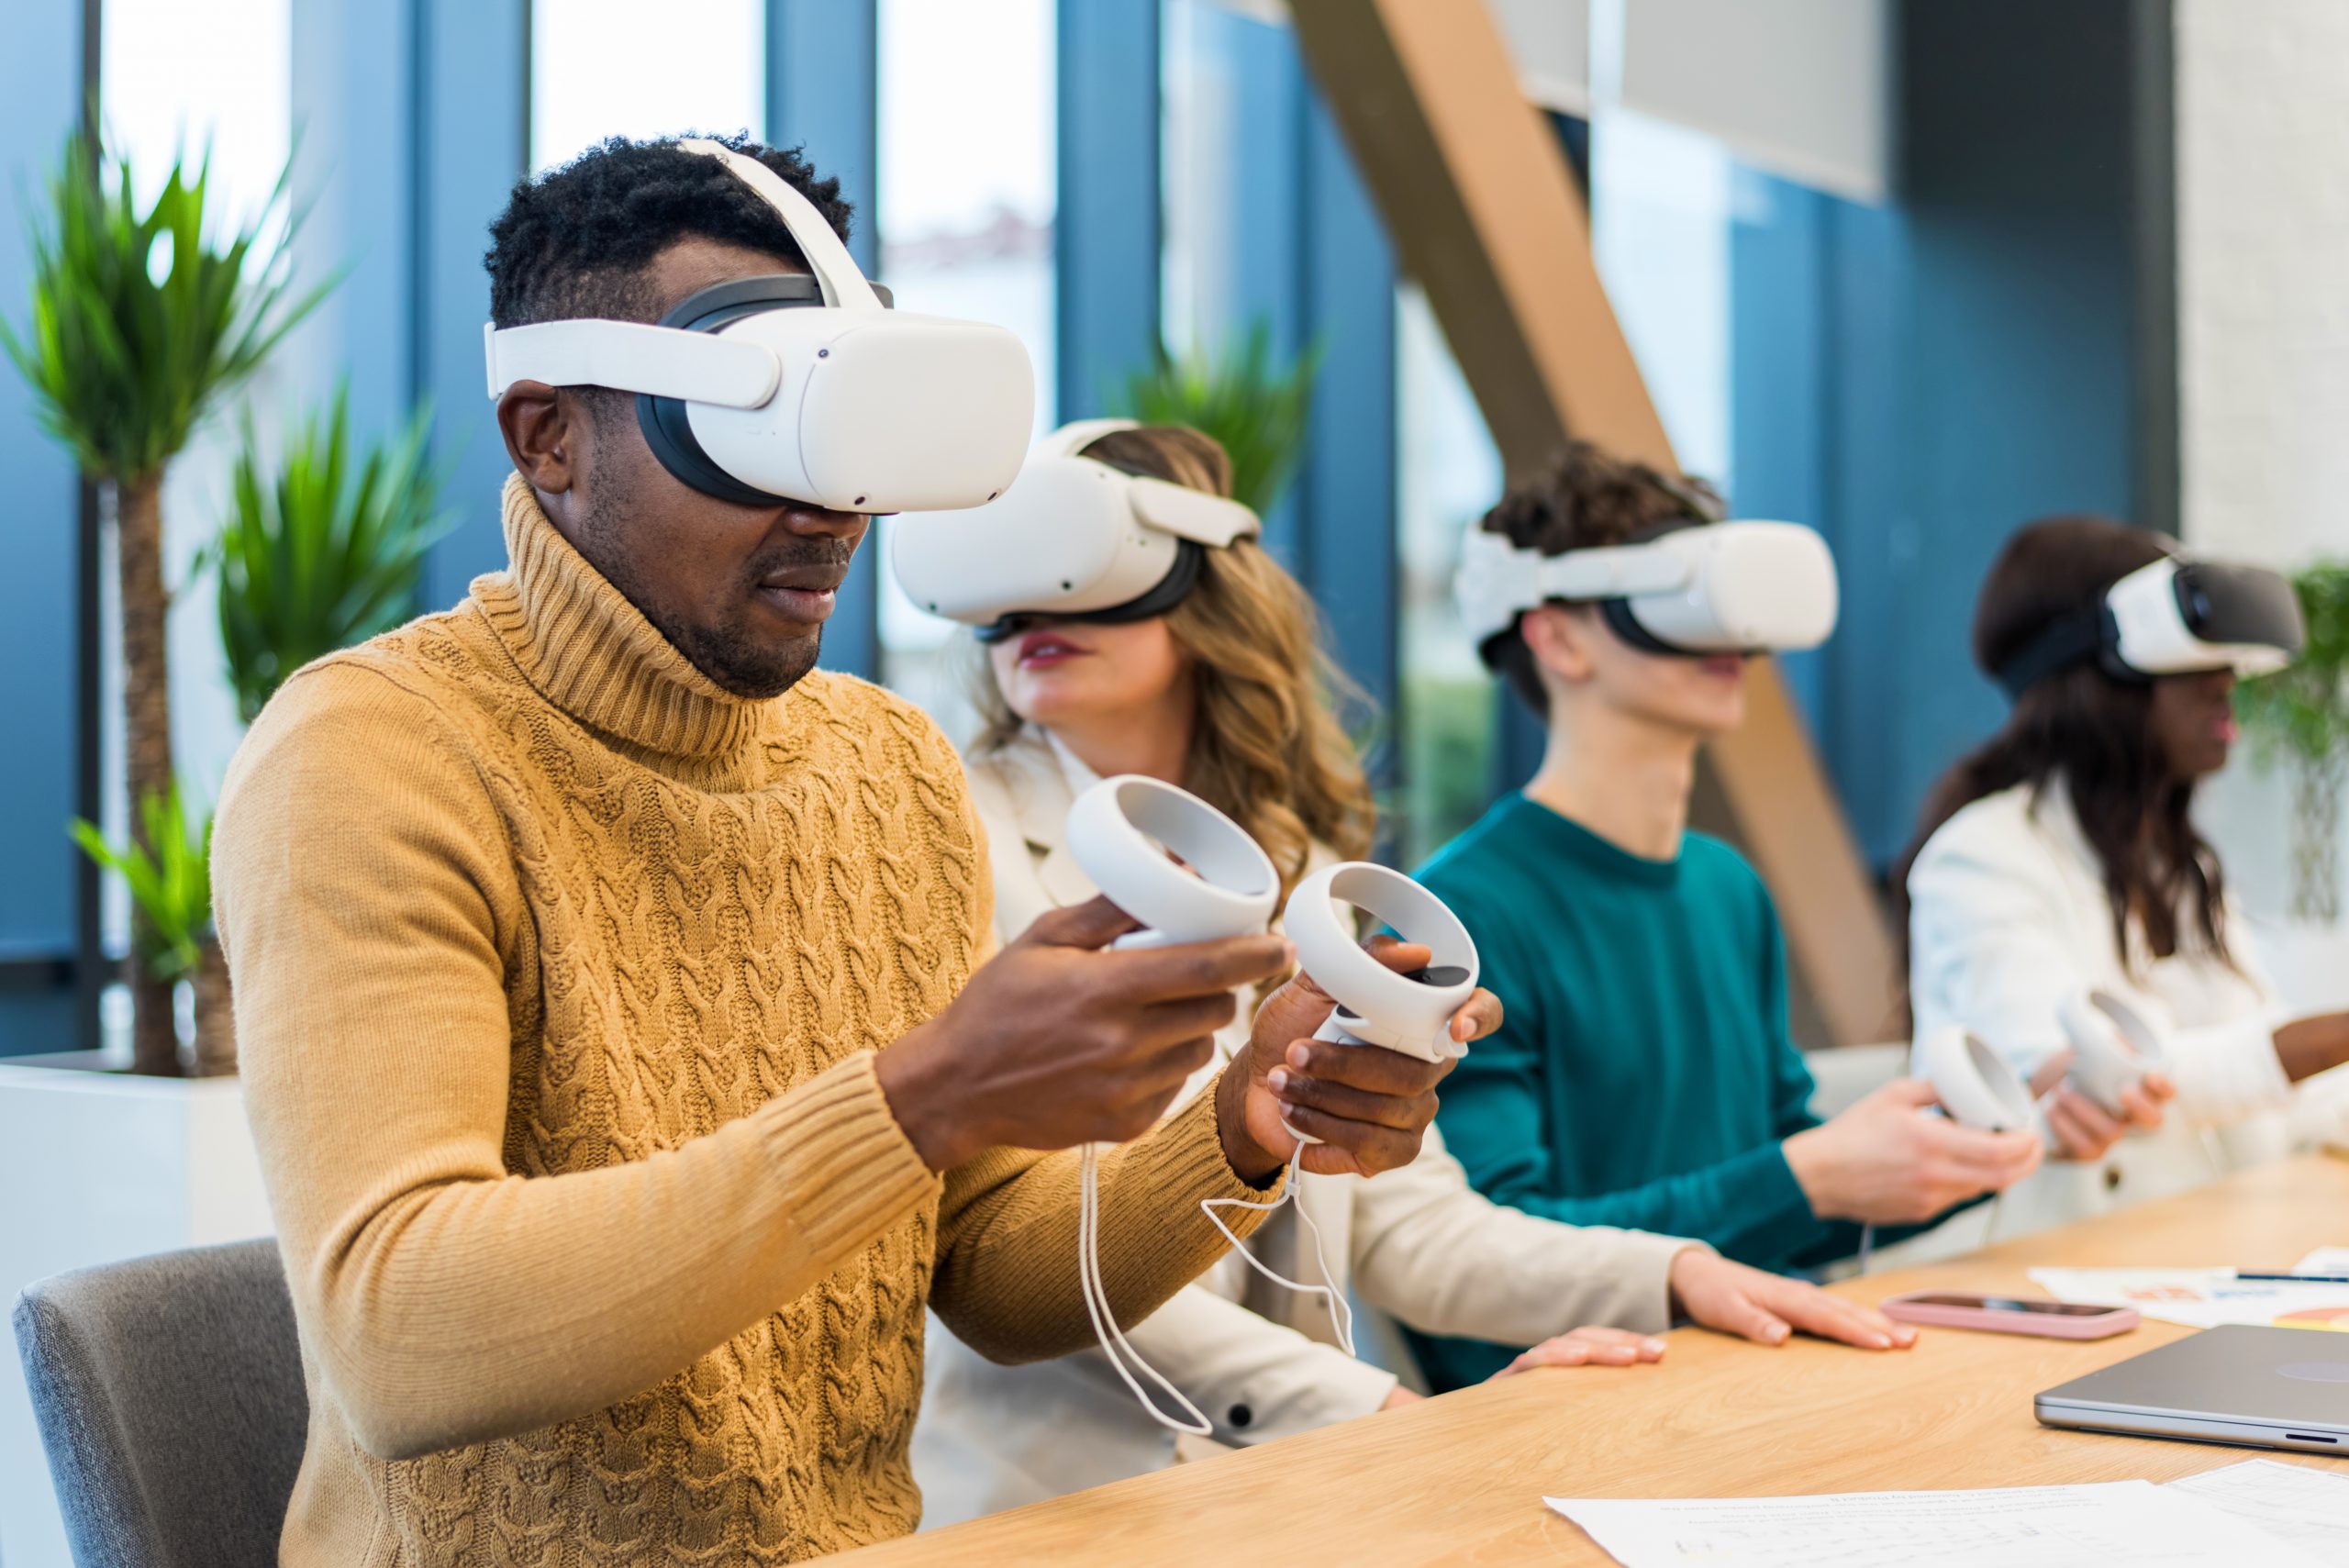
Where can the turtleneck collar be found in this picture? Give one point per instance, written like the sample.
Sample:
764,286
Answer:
594,655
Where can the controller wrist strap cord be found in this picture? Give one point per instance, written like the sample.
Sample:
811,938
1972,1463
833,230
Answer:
1114,1343
1187,871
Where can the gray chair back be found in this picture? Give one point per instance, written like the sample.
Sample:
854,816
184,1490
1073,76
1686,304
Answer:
169,1395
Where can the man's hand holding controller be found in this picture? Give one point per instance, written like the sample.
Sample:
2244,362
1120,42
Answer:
1368,1108
1413,996
1058,1041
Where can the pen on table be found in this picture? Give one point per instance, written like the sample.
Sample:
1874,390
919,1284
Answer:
2299,1279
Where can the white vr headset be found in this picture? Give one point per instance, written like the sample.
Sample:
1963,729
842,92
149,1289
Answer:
1072,538
2171,617
1691,590
801,387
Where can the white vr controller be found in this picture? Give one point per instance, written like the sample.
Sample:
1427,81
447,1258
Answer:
1188,872
1122,831
1976,1085
1377,1005
2114,1045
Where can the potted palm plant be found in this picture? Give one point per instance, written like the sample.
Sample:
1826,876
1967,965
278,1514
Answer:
2302,714
143,318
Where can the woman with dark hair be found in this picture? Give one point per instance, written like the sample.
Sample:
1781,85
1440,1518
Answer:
2062,854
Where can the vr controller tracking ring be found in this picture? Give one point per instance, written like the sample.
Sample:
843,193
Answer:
1979,1087
2114,1044
1121,830
1379,1005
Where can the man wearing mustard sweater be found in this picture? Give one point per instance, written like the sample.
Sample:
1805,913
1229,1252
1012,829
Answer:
626,1060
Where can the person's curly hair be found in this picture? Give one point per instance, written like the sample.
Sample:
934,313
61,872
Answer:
575,240
1584,500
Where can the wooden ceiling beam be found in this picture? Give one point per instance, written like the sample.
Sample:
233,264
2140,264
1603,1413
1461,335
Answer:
1485,214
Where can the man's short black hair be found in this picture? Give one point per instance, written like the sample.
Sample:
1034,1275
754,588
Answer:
575,240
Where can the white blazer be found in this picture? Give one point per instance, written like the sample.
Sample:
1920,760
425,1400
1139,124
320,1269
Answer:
1259,1360
2008,916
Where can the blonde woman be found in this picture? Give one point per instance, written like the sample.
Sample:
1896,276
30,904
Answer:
1225,694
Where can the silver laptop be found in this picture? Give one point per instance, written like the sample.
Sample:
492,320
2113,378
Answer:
2257,1388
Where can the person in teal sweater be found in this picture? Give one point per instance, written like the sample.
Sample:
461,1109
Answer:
1644,1075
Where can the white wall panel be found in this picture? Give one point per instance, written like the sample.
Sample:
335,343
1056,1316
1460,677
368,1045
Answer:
1802,88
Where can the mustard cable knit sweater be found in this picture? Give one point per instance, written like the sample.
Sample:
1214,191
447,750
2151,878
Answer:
559,971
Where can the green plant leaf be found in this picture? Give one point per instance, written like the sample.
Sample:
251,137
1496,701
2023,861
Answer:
2303,711
1259,413
310,557
143,320
170,878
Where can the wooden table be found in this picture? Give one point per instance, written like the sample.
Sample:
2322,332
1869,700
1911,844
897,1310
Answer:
1459,1480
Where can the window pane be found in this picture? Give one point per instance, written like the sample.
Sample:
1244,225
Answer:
967,192
1449,474
180,78
602,68
1660,230
1197,119
175,75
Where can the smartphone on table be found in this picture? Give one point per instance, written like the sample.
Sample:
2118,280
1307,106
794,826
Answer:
2008,1314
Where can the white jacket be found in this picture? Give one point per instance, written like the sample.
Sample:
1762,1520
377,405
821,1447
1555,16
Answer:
1417,1242
2008,916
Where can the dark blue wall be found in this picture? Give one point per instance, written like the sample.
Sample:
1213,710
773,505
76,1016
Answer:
823,94
472,126
40,89
1105,230
1314,267
1918,379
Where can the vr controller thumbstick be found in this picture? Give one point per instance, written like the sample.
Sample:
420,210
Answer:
1122,830
2114,1044
1377,1005
1974,1083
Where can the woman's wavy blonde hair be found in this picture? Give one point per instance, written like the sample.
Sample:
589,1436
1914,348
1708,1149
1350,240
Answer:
1267,747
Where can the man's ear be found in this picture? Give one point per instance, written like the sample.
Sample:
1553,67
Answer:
1559,639
543,428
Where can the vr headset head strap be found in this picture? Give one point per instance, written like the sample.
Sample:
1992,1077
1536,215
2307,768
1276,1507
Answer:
1071,439
2071,639
1178,509
1499,582
836,270
659,362
1188,514
630,356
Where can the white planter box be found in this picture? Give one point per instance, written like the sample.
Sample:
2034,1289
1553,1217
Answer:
97,1166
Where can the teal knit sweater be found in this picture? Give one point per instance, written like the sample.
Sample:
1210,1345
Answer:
1643,1076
